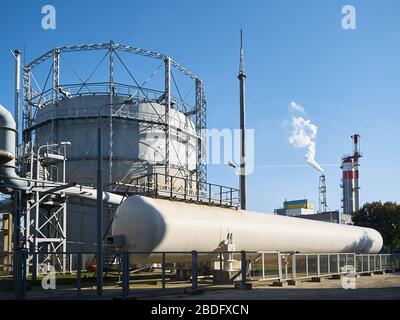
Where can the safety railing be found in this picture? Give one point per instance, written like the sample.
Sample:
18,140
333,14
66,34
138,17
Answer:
140,273
178,188
124,273
283,266
128,111
103,88
367,263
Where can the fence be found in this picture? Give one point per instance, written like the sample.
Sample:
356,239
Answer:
298,266
137,273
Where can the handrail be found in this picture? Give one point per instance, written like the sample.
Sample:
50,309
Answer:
98,88
179,188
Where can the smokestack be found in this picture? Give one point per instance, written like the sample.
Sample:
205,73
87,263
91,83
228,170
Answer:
348,185
242,80
351,187
356,156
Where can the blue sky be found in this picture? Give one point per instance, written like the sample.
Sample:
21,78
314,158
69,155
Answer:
347,80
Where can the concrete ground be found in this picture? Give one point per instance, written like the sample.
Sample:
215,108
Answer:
375,287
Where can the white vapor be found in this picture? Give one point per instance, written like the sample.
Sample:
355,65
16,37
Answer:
297,107
303,135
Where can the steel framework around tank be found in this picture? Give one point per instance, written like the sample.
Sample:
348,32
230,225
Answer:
35,100
36,97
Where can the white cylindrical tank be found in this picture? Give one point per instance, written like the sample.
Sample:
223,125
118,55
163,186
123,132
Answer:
137,149
149,224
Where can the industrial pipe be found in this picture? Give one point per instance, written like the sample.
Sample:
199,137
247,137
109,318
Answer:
8,133
5,157
9,178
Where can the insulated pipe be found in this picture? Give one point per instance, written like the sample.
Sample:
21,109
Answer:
157,225
9,179
90,194
5,157
8,133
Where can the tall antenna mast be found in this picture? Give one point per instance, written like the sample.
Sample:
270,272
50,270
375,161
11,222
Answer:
356,155
323,207
242,80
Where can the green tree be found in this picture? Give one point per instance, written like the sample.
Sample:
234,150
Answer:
383,217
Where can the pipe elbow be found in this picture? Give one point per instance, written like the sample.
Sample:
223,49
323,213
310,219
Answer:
5,156
6,119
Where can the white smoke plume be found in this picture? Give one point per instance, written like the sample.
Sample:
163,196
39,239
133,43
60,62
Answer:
295,106
303,135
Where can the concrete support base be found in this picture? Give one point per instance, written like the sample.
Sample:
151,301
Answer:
316,279
291,282
224,277
183,274
243,286
278,284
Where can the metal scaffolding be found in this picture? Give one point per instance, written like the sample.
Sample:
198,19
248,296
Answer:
45,219
323,206
36,99
201,124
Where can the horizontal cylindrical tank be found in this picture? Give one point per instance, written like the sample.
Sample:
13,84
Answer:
149,224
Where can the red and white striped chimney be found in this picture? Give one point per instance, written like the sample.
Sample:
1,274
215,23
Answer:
348,183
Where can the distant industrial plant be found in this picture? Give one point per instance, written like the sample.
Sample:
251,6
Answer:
351,194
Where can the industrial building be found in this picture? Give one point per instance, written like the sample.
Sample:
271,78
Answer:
329,216
305,209
296,208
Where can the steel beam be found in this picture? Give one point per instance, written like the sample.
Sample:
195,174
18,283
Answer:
103,46
167,115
